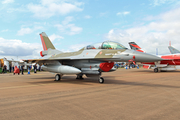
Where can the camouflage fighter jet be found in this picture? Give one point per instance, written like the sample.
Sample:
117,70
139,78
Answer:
91,60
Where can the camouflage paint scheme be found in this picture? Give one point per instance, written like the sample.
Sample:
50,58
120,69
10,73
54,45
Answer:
91,62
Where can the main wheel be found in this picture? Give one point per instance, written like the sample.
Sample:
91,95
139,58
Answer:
57,77
155,70
79,76
101,80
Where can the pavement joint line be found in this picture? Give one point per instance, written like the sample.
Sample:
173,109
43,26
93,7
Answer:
23,86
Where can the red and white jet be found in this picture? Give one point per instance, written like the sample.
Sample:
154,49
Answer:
171,62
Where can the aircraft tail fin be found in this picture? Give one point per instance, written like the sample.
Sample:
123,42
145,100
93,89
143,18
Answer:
134,46
46,43
173,50
48,47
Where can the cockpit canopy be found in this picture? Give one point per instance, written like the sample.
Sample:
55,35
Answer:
106,45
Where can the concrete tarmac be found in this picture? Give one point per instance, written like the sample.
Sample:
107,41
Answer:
135,94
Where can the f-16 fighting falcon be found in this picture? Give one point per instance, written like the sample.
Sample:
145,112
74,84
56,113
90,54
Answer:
91,60
169,63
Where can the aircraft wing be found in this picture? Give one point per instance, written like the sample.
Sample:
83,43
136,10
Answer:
41,61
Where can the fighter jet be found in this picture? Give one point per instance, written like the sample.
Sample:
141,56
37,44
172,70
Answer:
91,60
169,63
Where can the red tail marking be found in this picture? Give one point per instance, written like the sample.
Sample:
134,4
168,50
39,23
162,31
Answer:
41,54
43,44
140,50
136,46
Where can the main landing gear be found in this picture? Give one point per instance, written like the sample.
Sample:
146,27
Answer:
79,76
156,70
57,77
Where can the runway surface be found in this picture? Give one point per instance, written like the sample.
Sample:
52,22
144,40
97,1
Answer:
135,94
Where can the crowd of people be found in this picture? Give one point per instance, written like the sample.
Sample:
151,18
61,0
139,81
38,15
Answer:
20,69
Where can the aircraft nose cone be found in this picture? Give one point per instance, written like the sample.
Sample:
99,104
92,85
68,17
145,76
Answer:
145,57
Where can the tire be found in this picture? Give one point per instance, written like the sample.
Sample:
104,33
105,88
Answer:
57,77
101,80
155,70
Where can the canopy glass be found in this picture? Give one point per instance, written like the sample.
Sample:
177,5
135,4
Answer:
106,45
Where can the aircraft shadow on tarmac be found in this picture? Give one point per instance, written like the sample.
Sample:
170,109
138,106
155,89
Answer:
151,71
146,84
109,80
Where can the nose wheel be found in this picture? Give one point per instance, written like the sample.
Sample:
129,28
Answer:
57,77
101,80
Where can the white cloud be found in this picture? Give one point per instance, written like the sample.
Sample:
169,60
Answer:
27,30
7,1
160,2
103,14
70,29
15,47
76,47
6,30
54,36
49,8
156,34
67,28
123,13
24,31
1,51
67,20
74,29
87,17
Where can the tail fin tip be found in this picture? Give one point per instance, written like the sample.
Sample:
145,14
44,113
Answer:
43,34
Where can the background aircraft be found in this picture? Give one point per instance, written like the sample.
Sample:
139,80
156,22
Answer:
173,50
91,60
13,63
169,62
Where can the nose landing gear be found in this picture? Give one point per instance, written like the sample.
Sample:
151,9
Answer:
101,80
57,77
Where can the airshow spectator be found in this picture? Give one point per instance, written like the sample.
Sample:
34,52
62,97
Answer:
10,68
22,69
35,68
4,69
13,68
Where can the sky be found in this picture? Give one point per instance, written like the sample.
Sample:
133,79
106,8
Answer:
73,24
